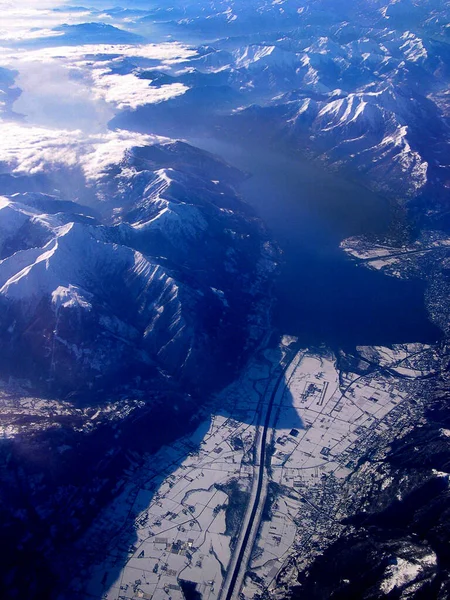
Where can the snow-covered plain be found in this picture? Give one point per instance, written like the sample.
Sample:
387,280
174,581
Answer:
324,420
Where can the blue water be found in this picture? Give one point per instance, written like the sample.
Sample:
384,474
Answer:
323,296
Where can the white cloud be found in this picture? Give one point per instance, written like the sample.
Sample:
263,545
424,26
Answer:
27,5
30,150
69,93
25,20
59,96
25,34
74,87
167,52
128,91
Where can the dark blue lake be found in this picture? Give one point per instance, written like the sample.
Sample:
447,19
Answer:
322,296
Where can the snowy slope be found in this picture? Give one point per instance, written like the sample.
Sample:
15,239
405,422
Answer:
87,299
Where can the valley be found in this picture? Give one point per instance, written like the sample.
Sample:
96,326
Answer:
224,283
227,518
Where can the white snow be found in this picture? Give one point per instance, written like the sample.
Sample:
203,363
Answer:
404,572
71,296
264,56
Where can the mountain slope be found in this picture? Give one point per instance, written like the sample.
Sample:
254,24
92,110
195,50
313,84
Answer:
167,277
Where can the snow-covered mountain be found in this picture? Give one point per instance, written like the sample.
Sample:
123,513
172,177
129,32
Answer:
94,33
374,131
134,280
165,276
359,87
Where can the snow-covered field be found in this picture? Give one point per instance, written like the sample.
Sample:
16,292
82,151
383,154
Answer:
171,521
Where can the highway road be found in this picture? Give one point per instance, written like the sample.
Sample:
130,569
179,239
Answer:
238,565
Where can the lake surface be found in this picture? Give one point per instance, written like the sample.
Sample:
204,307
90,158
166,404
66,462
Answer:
322,296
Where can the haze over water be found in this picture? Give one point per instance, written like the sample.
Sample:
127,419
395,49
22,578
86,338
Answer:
322,296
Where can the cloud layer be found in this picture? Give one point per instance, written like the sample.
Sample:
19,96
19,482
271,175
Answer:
69,93
31,150
78,86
